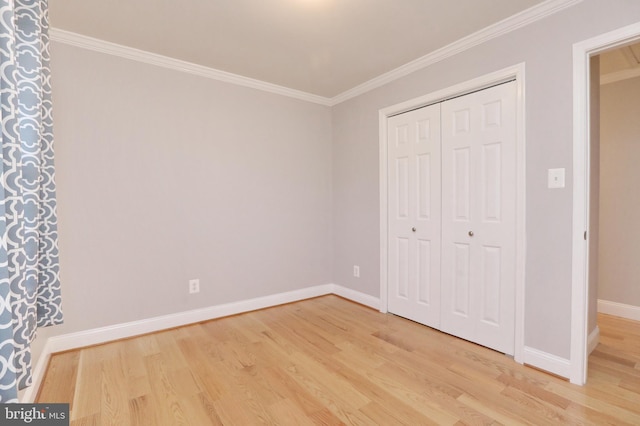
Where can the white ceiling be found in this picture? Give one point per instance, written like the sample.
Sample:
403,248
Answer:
322,47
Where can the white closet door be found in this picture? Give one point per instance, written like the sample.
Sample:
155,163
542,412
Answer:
478,217
414,209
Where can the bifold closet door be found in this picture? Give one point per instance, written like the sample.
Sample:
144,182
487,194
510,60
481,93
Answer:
479,217
413,153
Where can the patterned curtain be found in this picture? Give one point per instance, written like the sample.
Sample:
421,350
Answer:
29,282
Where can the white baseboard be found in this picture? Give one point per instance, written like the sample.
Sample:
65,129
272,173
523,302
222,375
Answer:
100,335
619,309
356,296
593,339
134,328
37,375
547,362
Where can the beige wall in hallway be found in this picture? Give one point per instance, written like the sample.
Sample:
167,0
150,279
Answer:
619,266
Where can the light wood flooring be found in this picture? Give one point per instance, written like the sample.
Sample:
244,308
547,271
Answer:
328,361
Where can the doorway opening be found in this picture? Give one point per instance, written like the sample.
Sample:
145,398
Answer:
619,155
585,213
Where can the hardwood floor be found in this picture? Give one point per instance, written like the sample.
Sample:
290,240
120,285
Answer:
330,361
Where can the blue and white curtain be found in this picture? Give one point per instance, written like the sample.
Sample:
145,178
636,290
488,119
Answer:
29,282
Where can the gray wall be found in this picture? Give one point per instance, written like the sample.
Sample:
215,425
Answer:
619,270
546,47
164,176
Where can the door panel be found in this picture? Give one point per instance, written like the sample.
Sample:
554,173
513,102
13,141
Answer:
424,187
402,277
492,182
478,212
424,279
461,175
413,144
402,188
461,278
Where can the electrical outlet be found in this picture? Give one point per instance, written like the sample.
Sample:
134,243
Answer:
555,178
194,286
356,271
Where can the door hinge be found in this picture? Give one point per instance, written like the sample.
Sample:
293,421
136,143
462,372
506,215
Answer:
585,235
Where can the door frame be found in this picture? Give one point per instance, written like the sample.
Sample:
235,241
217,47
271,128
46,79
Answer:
516,72
582,52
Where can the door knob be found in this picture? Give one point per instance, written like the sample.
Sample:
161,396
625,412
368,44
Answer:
471,233
413,229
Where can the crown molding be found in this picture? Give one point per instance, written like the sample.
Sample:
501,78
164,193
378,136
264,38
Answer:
498,29
102,46
613,77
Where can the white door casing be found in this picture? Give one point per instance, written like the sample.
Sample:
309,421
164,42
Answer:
414,214
479,217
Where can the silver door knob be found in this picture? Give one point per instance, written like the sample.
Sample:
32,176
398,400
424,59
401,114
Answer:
413,229
471,233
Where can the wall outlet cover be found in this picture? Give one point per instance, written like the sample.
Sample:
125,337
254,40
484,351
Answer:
556,178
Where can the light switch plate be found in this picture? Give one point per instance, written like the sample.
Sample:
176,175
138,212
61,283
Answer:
556,178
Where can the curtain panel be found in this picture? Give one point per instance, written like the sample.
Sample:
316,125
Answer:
29,280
